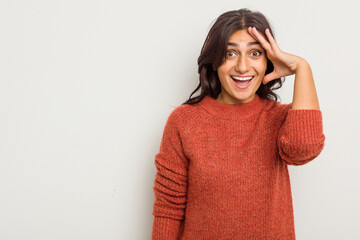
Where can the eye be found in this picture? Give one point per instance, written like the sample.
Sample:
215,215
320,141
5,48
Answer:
258,53
229,53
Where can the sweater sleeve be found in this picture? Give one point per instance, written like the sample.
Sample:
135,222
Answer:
170,185
301,137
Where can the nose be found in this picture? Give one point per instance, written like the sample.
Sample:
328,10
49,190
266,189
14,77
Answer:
242,64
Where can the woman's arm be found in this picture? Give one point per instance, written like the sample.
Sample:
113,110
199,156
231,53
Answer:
304,96
170,184
301,137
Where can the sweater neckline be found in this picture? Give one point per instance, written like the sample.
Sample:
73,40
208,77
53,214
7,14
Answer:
232,111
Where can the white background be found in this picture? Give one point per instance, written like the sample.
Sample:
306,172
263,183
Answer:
86,88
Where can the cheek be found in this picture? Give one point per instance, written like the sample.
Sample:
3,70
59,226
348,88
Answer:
225,66
261,67
223,70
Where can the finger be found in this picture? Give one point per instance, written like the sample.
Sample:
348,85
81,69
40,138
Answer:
271,39
251,33
261,39
269,77
250,30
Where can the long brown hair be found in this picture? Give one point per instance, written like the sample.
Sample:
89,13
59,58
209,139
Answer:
214,49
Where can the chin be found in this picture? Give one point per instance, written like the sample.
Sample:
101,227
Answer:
243,98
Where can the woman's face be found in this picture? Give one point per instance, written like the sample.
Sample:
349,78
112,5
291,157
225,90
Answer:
245,59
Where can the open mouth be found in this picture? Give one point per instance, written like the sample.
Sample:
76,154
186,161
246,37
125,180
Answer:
242,82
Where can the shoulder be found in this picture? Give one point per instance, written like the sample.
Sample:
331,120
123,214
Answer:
277,111
180,113
185,116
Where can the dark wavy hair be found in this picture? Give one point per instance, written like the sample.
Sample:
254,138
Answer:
214,50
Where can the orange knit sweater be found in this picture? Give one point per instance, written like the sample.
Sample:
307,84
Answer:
222,169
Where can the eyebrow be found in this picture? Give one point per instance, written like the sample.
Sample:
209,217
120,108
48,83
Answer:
249,43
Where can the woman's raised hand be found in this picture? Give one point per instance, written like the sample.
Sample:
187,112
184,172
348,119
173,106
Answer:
285,64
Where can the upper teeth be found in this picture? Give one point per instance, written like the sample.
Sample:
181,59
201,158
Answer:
243,78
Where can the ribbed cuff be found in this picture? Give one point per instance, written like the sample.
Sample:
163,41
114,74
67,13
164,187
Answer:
165,228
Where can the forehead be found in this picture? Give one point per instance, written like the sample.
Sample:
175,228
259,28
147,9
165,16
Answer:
241,37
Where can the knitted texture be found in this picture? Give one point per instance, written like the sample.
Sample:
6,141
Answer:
222,169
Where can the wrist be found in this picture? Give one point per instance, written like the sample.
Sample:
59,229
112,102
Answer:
301,64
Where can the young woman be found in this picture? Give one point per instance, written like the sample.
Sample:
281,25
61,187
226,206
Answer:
222,166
